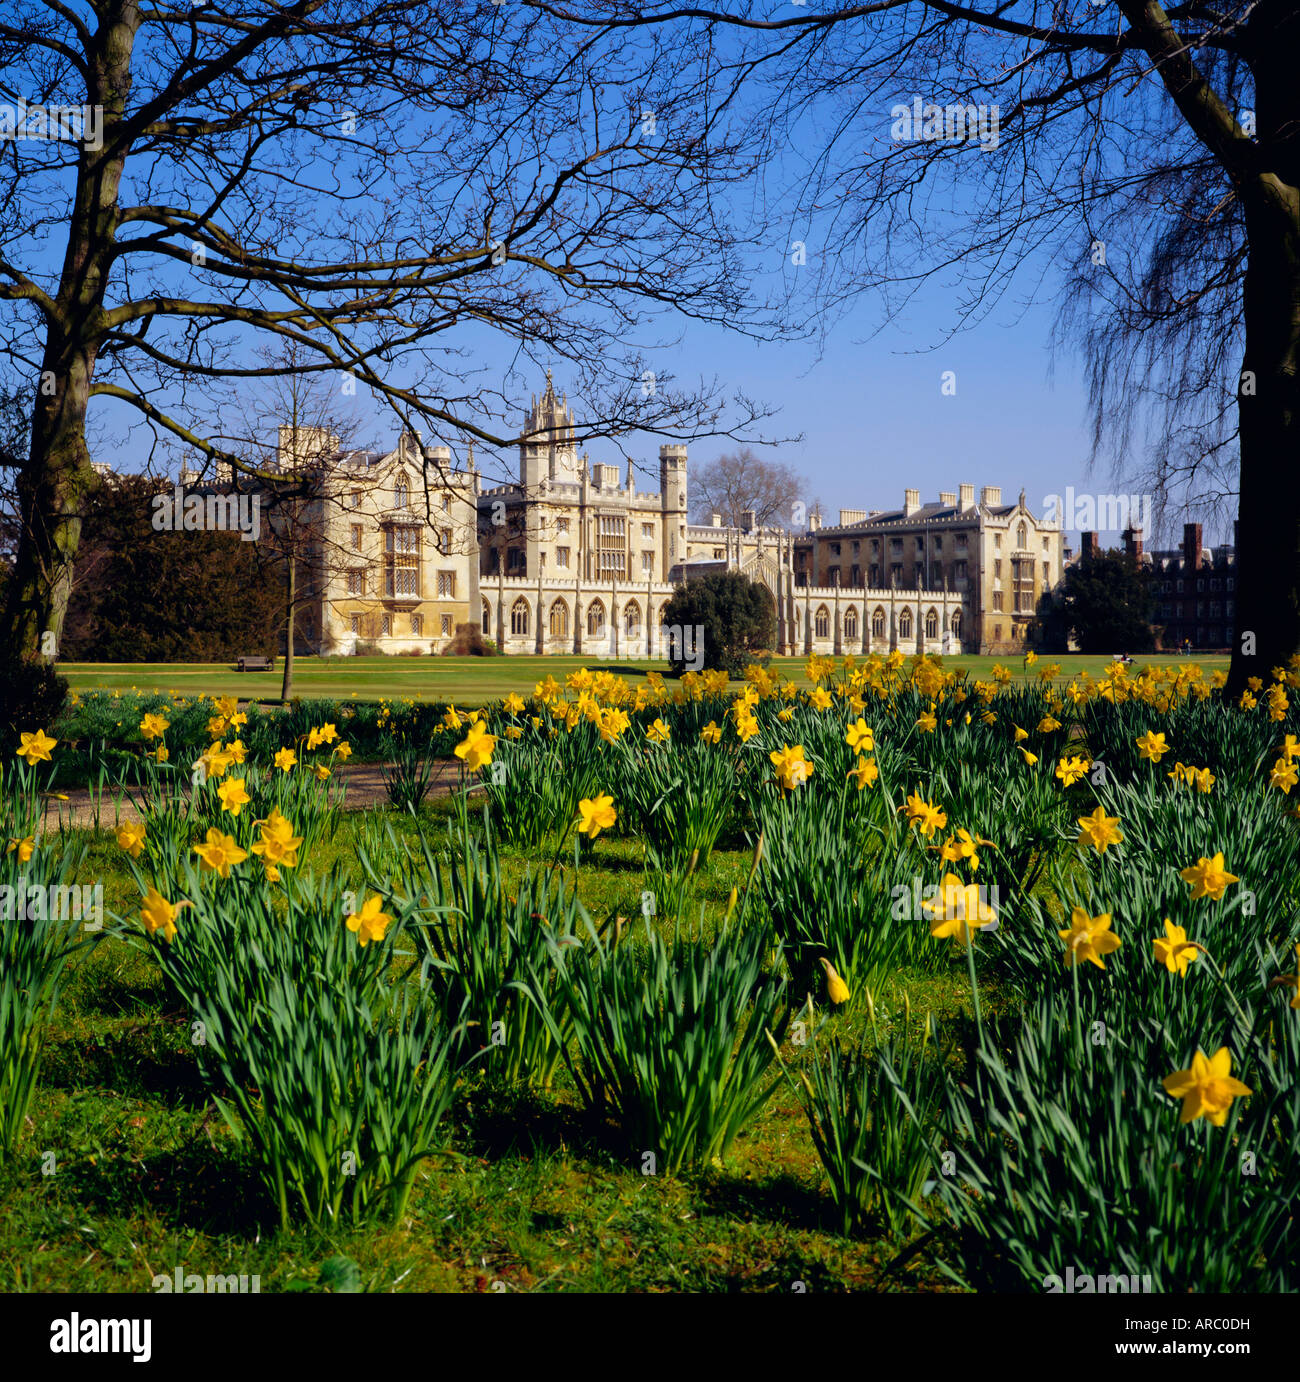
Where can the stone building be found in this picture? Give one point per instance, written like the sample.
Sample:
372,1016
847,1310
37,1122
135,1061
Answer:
573,558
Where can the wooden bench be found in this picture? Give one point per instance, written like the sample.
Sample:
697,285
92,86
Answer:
256,664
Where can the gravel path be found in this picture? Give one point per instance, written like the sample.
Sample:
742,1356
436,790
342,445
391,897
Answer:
365,784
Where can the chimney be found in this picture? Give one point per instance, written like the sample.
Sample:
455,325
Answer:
1191,546
967,495
947,498
848,517
911,502
814,520
991,496
1087,545
747,521
716,519
1133,543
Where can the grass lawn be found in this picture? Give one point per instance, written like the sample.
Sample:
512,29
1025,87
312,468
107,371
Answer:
465,680
531,1197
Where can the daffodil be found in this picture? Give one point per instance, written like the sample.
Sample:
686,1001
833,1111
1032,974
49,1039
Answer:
1283,776
1152,746
234,795
658,732
130,837
514,704
370,923
711,733
24,848
153,726
1088,938
1207,1089
285,759
926,816
959,910
476,749
1208,877
792,769
864,772
860,737
596,814
276,843
218,852
1174,950
35,748
836,989
1099,830
158,914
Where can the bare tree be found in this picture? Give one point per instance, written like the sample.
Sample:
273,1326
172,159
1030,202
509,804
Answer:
1156,150
742,482
381,184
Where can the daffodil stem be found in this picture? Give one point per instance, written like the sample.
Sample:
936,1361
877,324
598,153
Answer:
1074,976
974,986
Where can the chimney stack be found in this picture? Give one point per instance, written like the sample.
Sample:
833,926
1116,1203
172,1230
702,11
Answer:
911,502
991,496
967,496
947,498
716,519
1191,546
747,521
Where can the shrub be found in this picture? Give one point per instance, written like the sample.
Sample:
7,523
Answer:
731,616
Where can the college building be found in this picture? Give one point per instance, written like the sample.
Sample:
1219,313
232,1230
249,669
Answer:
401,552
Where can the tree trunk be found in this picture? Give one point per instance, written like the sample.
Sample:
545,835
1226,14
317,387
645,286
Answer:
1267,617
53,483
286,687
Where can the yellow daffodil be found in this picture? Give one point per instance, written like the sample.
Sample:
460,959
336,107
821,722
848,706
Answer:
514,704
1088,938
1208,877
285,759
959,911
836,989
24,848
1174,950
276,843
1030,758
860,737
158,914
370,923
1207,1089
864,772
154,726
1152,746
130,837
234,795
711,734
218,852
35,748
1099,830
658,732
476,749
596,814
1283,776
1048,725
792,769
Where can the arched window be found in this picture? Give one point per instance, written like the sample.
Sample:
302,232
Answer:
632,619
905,624
519,616
401,493
954,623
931,624
822,622
595,619
559,619
851,623
1020,536
487,618
878,624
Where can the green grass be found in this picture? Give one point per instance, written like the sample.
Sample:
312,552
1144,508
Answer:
465,680
532,1196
